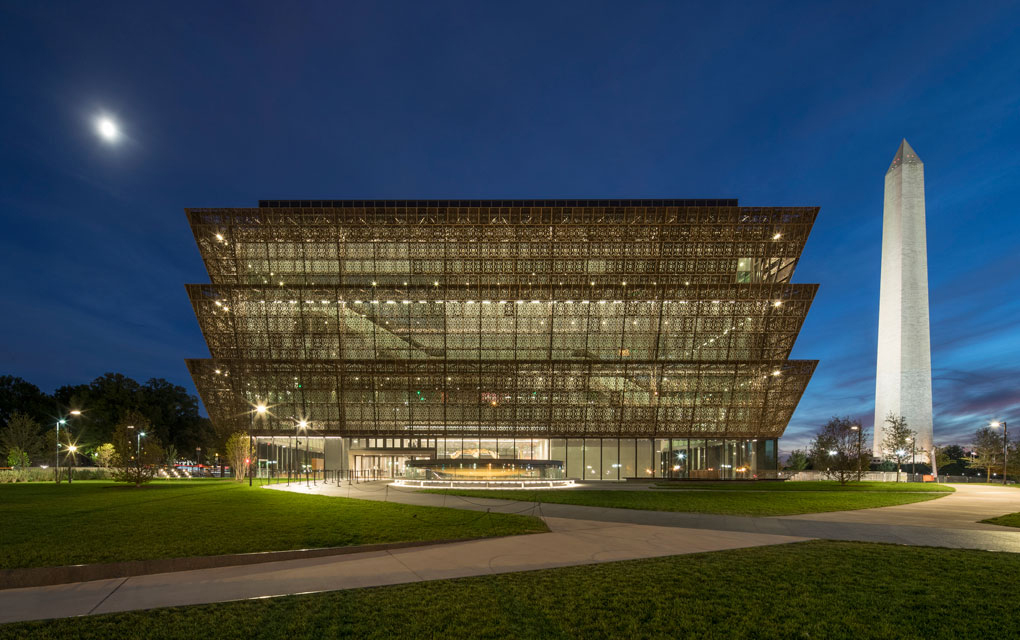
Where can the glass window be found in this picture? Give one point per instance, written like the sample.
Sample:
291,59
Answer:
610,459
575,457
714,451
744,270
696,460
592,458
661,458
679,468
644,457
558,449
627,453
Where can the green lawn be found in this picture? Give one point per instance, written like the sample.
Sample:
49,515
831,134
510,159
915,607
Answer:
1008,520
811,485
88,522
746,502
817,589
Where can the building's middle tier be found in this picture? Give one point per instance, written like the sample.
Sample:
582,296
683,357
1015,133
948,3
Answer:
704,323
544,398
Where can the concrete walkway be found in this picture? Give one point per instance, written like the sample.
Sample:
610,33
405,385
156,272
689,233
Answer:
571,542
949,521
960,510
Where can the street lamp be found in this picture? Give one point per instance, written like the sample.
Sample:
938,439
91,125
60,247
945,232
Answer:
913,454
62,422
996,424
860,434
70,449
303,426
260,410
56,456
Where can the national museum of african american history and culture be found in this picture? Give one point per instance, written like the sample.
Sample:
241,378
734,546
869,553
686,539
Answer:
623,338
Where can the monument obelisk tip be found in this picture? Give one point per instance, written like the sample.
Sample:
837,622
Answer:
904,155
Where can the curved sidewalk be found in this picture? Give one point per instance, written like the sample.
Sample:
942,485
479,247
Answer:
570,542
949,521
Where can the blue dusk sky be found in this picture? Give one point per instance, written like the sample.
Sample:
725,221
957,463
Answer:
773,103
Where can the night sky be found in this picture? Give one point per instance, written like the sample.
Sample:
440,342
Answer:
797,104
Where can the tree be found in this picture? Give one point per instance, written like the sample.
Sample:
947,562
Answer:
942,459
170,453
239,454
18,395
954,452
1013,461
987,449
838,449
104,455
22,435
136,458
897,441
797,460
17,458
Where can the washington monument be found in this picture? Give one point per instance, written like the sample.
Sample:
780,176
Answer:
903,380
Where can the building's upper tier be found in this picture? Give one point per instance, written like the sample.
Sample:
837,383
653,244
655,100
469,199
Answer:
516,243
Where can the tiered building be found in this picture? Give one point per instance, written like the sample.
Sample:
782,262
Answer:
627,338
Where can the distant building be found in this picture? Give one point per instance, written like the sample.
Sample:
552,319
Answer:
627,338
903,380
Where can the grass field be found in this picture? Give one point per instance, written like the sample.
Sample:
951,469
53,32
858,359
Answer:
746,501
815,589
88,522
1008,520
812,485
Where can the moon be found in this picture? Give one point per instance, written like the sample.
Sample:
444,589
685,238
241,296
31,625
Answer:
107,129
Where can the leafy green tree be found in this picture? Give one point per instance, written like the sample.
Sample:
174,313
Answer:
170,455
17,458
137,458
239,454
1013,461
838,449
104,455
988,451
942,459
22,433
954,452
18,395
797,461
897,441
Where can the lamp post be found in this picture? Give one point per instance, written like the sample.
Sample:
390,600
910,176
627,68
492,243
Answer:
70,456
913,454
857,428
996,424
303,426
260,410
62,423
56,455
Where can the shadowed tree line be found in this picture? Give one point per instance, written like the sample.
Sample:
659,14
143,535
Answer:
28,418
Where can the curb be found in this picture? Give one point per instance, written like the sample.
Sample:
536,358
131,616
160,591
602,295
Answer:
47,576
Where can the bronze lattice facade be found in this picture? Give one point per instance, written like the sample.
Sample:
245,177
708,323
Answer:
551,319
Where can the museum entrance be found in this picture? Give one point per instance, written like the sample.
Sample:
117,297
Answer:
374,467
